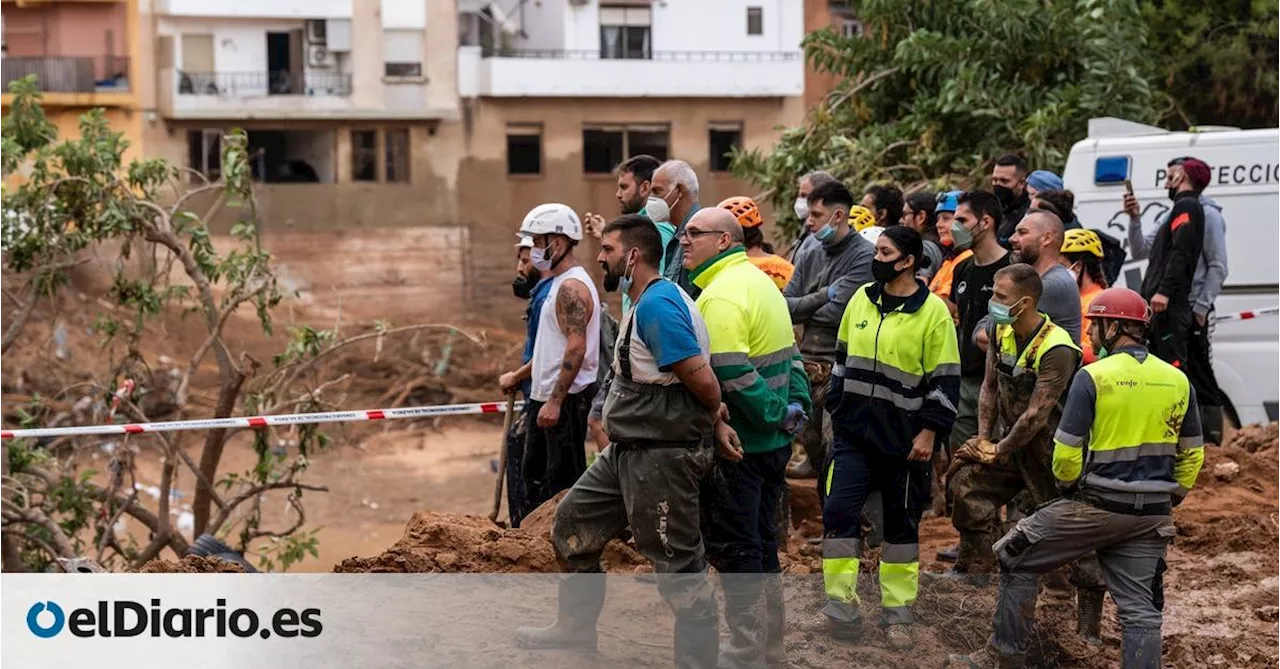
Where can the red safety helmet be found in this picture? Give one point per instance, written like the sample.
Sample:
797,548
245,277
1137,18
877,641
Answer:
1120,304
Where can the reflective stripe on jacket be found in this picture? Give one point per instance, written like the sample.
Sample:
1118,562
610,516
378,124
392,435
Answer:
753,351
1132,428
896,373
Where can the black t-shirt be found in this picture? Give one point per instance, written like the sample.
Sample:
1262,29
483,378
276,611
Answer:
970,291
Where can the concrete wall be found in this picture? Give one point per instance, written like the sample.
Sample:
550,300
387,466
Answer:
404,13
817,15
66,29
491,204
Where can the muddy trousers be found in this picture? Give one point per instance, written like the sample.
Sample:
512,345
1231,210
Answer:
740,507
517,497
554,457
656,492
1131,551
855,471
816,436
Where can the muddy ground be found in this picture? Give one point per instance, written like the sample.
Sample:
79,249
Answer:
1221,588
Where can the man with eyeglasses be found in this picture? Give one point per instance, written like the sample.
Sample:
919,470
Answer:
762,380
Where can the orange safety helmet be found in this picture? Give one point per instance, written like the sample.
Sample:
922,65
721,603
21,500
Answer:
1120,304
744,209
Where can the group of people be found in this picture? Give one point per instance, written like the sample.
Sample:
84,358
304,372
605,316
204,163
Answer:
907,346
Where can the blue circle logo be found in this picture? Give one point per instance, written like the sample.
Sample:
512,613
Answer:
33,619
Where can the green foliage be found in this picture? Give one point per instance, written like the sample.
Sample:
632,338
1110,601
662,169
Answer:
1217,60
280,553
936,90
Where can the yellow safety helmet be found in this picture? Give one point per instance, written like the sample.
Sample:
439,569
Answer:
1080,240
861,218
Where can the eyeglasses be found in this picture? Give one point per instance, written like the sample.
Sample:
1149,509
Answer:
694,234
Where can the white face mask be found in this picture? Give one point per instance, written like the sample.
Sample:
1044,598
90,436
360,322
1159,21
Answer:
1075,273
801,208
657,210
539,259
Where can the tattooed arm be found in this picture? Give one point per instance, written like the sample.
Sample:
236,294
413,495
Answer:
1057,366
988,405
573,313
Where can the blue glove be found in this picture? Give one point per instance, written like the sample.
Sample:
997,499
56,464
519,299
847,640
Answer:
795,420
831,293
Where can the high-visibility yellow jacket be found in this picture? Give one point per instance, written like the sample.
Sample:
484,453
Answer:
896,373
1130,430
753,351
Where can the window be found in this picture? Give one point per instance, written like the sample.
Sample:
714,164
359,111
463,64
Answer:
624,32
402,55
851,28
204,152
724,138
755,21
524,149
397,155
364,155
604,147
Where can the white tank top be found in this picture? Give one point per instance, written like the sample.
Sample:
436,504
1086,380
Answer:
549,344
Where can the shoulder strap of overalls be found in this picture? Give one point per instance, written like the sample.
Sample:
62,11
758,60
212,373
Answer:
624,344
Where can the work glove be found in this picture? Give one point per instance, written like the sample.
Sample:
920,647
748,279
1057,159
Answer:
795,420
977,450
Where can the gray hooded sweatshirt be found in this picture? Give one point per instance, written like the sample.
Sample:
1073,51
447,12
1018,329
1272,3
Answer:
1211,269
845,264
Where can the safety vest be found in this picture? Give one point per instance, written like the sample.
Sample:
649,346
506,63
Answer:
1138,414
1014,364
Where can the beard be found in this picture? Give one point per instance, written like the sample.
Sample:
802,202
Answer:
611,279
634,205
1026,256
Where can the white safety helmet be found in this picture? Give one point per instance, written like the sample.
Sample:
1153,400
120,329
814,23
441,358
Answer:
871,234
526,242
552,218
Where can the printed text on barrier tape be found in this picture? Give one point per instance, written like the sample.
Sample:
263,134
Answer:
1247,315
263,421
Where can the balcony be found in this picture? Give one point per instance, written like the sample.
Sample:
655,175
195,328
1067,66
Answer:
240,9
671,74
261,94
71,74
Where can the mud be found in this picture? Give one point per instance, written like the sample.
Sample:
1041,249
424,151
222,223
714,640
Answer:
191,564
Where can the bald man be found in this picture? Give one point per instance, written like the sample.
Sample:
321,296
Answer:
674,199
1037,241
763,382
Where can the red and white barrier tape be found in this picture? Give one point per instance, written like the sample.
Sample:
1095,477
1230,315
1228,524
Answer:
1247,315
263,421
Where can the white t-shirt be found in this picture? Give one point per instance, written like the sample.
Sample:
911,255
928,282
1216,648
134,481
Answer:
548,347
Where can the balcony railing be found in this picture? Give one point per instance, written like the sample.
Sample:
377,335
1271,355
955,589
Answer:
264,83
70,74
682,56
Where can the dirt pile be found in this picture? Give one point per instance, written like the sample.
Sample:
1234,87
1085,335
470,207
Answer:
191,564
445,543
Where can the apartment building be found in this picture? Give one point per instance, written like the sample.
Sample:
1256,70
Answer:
84,54
556,93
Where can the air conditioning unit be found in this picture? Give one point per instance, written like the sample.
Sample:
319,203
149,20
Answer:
316,32
320,57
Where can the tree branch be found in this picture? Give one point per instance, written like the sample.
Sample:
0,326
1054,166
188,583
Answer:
37,516
254,492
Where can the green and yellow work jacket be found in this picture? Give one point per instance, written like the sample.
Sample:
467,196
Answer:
753,349
1130,432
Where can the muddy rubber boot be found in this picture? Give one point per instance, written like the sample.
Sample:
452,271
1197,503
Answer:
1015,613
697,642
1140,648
744,615
1211,423
1089,614
581,597
775,649
948,554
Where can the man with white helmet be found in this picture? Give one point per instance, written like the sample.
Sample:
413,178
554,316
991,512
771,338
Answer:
565,356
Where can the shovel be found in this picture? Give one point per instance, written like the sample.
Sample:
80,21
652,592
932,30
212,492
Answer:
502,459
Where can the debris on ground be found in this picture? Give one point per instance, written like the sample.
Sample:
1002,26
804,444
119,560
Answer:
1226,471
191,564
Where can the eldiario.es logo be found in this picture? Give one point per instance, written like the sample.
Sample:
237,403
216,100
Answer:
124,618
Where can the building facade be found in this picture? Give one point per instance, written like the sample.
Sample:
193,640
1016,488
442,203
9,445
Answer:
556,93
83,54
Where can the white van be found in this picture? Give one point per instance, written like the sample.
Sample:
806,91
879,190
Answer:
1246,182
1246,166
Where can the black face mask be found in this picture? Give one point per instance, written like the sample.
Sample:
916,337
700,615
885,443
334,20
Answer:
1006,195
523,284
883,271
